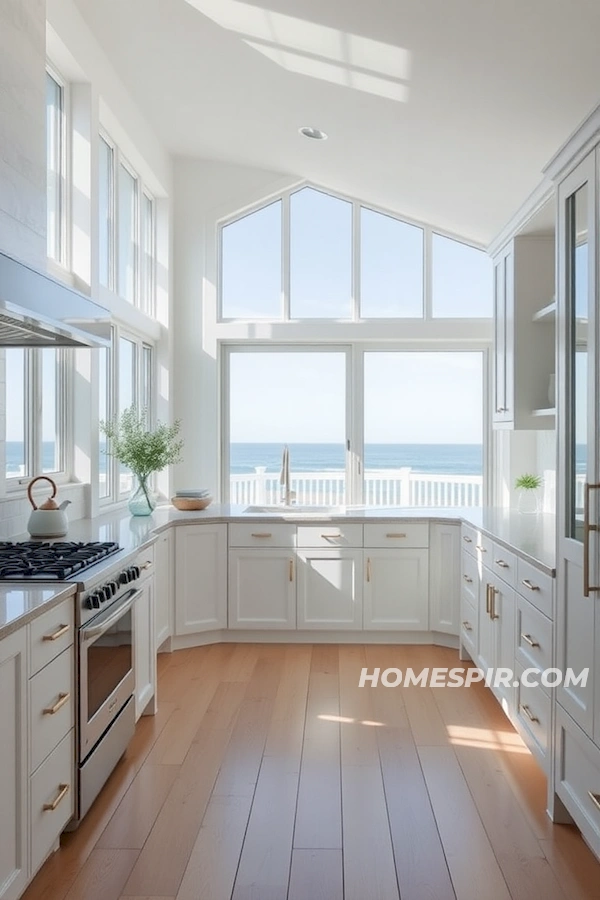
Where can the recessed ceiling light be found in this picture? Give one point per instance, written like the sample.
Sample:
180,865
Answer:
315,134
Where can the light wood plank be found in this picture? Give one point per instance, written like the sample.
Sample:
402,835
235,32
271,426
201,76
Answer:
103,875
577,870
137,811
473,867
316,875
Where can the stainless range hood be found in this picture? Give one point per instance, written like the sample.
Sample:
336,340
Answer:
39,311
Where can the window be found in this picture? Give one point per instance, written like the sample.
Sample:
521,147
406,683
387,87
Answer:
55,169
462,280
391,267
35,412
127,230
251,285
125,376
295,398
148,254
105,211
320,256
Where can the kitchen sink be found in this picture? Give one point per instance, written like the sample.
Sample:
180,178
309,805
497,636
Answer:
293,511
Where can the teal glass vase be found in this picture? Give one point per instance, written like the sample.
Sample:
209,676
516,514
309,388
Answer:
142,500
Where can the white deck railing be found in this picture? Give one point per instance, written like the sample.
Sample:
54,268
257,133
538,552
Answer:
384,487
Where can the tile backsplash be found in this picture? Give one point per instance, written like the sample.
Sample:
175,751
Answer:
14,512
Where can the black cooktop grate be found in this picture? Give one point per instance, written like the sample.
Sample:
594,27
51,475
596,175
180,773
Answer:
47,561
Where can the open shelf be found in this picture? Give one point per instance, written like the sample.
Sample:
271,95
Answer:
546,313
549,412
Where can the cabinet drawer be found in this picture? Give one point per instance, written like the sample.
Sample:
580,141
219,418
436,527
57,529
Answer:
535,586
470,578
50,634
398,535
51,706
578,777
533,714
262,535
534,637
469,538
504,564
330,535
51,799
469,627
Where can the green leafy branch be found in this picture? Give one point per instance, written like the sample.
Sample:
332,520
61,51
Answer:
528,482
134,445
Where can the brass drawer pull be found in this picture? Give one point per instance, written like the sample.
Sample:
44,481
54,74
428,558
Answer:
63,790
63,629
291,570
332,537
468,579
467,626
147,565
528,584
528,713
502,564
369,569
62,699
467,539
529,640
493,613
595,798
488,588
480,548
261,534
396,534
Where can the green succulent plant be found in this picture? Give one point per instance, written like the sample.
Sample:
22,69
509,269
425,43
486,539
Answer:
528,482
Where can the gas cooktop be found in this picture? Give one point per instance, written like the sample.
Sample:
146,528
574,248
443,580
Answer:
56,561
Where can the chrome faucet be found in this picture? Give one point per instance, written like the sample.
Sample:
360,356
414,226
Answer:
287,495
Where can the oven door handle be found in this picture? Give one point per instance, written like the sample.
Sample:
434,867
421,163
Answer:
99,629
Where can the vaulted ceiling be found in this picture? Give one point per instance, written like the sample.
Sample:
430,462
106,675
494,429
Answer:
443,110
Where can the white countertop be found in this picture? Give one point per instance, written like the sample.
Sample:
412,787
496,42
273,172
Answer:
20,604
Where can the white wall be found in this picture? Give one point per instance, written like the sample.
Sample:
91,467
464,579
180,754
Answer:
204,192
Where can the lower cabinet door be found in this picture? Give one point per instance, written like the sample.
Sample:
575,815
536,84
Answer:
577,781
396,590
13,771
200,578
262,589
52,797
144,648
444,578
163,593
330,589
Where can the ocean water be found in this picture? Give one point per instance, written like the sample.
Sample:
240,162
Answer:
453,459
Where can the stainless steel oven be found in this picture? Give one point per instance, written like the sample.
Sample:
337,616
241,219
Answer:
106,675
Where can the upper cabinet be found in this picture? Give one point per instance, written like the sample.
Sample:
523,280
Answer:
524,334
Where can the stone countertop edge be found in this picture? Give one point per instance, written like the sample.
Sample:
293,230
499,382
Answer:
530,538
36,599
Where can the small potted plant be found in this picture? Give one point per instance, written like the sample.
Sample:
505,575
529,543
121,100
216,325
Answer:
143,451
528,486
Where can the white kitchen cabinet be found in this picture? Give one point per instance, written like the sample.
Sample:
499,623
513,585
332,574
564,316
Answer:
145,650
444,577
14,817
200,578
497,632
262,588
396,590
163,587
524,282
330,589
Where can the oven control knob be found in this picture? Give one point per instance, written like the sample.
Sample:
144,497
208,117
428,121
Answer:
114,587
105,593
136,572
124,578
93,601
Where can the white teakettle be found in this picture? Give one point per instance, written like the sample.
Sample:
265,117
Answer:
48,520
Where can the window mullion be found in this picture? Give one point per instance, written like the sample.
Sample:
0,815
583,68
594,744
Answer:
427,274
285,255
34,395
356,312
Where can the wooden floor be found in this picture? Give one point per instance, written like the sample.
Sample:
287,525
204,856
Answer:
268,774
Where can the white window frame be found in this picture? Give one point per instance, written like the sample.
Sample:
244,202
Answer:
63,264
33,394
112,237
355,353
116,497
355,317
123,163
148,291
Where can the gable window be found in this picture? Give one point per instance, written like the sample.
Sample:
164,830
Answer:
462,280
55,169
391,267
251,272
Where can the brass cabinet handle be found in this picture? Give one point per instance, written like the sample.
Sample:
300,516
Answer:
467,626
63,790
493,613
147,565
396,534
62,699
501,409
529,640
587,530
487,598
480,548
595,798
467,579
528,713
57,634
502,564
332,537
528,584
291,570
261,534
467,539
369,569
